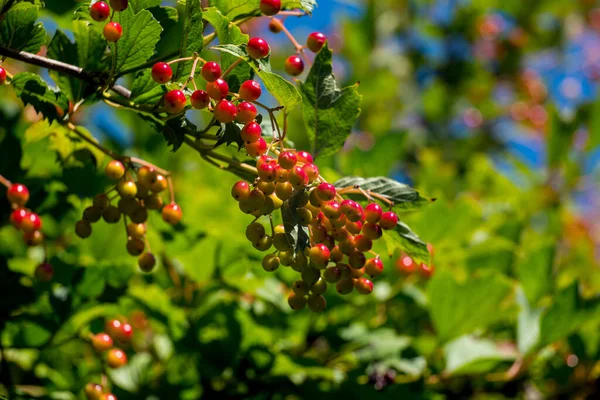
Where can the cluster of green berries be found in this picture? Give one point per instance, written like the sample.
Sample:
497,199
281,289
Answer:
100,11
341,232
135,198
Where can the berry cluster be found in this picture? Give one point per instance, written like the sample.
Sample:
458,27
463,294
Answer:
135,198
23,218
100,11
407,266
341,232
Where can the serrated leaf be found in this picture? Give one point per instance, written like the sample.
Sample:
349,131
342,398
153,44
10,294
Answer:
329,112
139,5
145,90
235,9
192,40
19,30
33,90
461,308
405,198
470,355
404,238
297,234
141,33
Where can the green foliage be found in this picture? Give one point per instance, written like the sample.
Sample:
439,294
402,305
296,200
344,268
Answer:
20,30
33,90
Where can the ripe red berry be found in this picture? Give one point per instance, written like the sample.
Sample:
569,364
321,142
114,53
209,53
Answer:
257,148
113,327
363,243
250,90
119,5
240,190
31,222
113,31
263,160
44,272
199,99
389,220
246,112
124,334
357,259
99,11
364,286
294,65
18,194
175,101
225,111
211,71
374,267
251,132
319,255
218,89
298,177
332,210
2,75
116,358
372,231
406,264
34,238
287,160
258,48
270,7
315,41
172,214
304,157
108,396
326,191
161,72
266,172
373,213
351,209
426,271
102,342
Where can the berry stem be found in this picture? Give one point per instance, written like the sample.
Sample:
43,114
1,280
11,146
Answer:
145,163
231,67
171,190
367,193
193,72
292,13
97,145
211,155
5,181
178,60
299,48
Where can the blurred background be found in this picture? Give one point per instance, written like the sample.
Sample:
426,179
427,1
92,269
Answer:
489,106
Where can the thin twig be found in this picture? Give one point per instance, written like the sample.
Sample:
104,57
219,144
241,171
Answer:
5,181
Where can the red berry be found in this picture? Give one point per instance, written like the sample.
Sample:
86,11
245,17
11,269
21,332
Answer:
270,7
18,194
99,11
175,102
124,334
113,31
406,265
225,111
263,160
172,214
113,327
218,89
31,222
426,270
266,172
199,99
257,148
373,213
298,177
332,210
250,90
246,112
211,71
364,286
44,272
108,396
326,191
304,157
319,255
258,48
372,231
315,41
116,358
389,220
312,171
294,65
251,132
374,267
102,342
287,160
161,72
240,190
352,210
2,75
119,5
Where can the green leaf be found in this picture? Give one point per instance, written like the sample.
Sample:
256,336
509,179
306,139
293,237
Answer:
470,355
173,130
145,90
535,271
61,48
594,127
192,40
457,309
141,33
140,5
235,9
297,234
20,30
404,197
528,324
329,112
33,90
228,134
403,237
560,138
134,374
82,319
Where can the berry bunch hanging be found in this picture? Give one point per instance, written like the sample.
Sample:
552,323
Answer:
100,12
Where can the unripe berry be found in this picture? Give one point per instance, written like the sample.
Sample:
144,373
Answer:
304,157
153,202
374,267
304,216
363,243
345,286
18,194
373,213
83,229
257,148
31,222
336,255
246,112
316,303
319,287
352,210
160,184
17,217
340,234
284,190
113,31
251,132
315,41
162,72
357,259
339,222
199,99
34,238
332,210
296,302
372,231
240,190
127,205
389,220
146,262
211,71
111,215
102,342
175,102
172,214
282,174
113,327
256,198
280,242
294,65
119,5
332,274
275,25
93,391
326,191
310,276
92,214
255,231
139,215
266,187
44,272
250,90
287,160
364,286
127,189
136,230
2,75
270,263
314,199
115,170
319,255
99,11
300,288
270,7
225,111
135,246
298,177
311,171
258,48
116,358
263,244
218,89
101,202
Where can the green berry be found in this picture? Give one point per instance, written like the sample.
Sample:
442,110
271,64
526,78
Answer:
316,303
270,263
296,302
146,262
